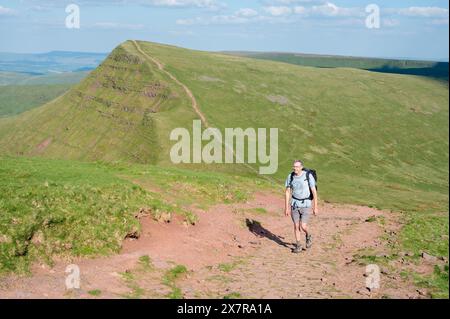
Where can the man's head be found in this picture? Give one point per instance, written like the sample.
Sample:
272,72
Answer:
298,166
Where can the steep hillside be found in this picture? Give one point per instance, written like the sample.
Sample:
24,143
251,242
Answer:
376,139
108,116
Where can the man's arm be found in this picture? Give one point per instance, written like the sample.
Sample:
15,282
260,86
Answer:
287,201
315,200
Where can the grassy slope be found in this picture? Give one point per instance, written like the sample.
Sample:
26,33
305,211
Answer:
107,116
332,61
66,207
376,139
15,99
437,70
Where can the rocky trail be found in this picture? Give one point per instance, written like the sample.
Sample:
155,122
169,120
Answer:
234,251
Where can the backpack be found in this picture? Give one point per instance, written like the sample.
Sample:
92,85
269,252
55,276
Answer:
308,172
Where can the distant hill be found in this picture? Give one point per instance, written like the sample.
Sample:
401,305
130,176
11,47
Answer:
18,78
52,68
51,62
439,70
20,92
15,99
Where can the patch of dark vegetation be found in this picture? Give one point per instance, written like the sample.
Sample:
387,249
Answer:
438,70
121,55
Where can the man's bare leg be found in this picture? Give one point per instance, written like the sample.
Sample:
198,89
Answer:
298,234
304,227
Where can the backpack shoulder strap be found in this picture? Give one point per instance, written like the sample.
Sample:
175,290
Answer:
308,174
291,179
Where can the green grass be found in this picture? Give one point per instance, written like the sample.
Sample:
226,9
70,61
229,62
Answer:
371,219
422,233
146,263
435,283
365,260
54,207
16,99
226,267
388,145
186,187
429,233
59,207
438,283
136,292
437,70
375,139
386,135
232,295
169,279
95,292
173,274
426,233
259,210
175,293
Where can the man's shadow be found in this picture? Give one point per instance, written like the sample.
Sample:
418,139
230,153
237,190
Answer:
257,229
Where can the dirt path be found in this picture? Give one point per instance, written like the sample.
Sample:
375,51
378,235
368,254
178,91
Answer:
234,250
195,106
170,75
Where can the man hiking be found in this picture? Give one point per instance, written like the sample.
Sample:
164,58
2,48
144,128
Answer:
301,199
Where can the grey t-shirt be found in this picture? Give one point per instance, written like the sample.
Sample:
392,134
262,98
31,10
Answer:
300,189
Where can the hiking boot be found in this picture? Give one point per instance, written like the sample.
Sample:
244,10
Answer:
297,249
308,241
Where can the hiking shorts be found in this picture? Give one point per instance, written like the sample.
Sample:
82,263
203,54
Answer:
301,214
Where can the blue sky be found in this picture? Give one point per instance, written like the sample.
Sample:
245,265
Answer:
409,28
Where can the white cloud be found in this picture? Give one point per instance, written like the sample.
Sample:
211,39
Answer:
278,10
317,11
427,12
117,26
439,21
389,23
300,10
39,8
324,9
218,19
333,23
182,33
246,12
7,11
241,16
290,2
331,10
285,14
209,4
328,9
